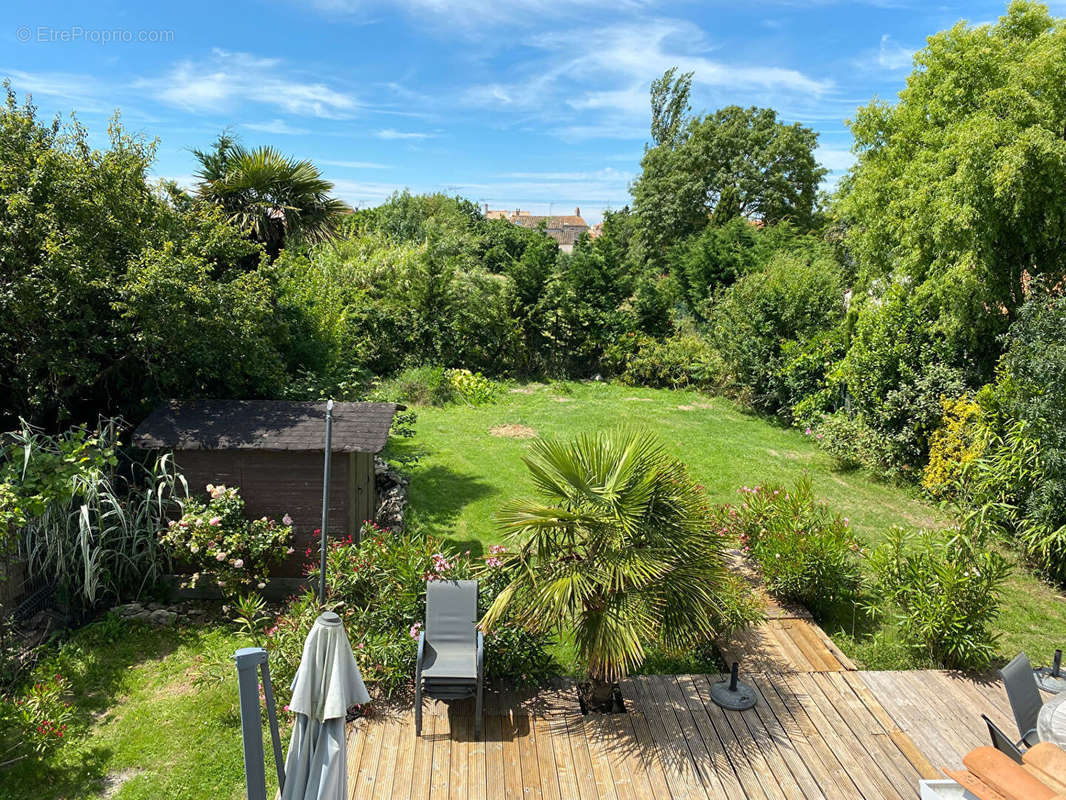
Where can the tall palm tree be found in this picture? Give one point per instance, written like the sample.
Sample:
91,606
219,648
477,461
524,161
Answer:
620,547
269,195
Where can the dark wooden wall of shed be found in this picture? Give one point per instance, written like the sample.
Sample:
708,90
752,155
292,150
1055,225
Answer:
277,483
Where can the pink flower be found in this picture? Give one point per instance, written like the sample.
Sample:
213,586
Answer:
220,557
415,630
807,432
493,561
238,562
286,520
216,521
289,551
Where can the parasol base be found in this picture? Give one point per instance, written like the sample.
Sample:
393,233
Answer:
1048,682
733,694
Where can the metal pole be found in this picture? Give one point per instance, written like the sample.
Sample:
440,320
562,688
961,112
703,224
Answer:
325,501
272,716
248,660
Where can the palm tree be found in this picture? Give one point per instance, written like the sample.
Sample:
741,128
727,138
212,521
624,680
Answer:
621,548
269,195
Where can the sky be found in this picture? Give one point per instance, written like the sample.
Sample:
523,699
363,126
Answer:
533,104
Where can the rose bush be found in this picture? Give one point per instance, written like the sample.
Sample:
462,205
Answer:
223,546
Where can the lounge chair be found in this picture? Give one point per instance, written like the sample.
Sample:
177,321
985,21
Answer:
1001,741
451,650
1024,697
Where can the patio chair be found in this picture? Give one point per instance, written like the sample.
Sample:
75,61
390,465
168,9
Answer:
1001,741
1024,697
451,650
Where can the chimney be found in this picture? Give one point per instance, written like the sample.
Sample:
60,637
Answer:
577,211
486,208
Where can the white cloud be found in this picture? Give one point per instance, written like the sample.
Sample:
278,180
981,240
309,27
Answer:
471,17
593,82
354,164
227,80
276,126
893,55
389,133
81,90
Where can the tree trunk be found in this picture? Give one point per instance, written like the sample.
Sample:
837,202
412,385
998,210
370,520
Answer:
599,695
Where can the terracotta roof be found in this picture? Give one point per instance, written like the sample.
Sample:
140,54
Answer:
532,221
265,425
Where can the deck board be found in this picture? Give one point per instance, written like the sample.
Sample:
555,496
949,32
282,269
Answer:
824,734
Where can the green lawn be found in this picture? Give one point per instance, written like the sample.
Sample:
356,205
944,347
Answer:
465,473
144,726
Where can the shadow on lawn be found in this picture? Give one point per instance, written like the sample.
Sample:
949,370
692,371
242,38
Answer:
96,659
438,496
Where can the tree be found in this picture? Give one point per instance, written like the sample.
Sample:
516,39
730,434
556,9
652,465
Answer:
743,159
670,107
268,195
957,201
72,218
620,547
965,177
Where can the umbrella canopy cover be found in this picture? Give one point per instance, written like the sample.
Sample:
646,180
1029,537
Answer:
327,684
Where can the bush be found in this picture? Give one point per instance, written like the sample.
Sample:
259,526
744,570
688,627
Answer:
423,386
953,447
378,586
472,388
1032,393
804,552
808,385
793,299
34,721
679,362
220,542
947,588
850,441
908,352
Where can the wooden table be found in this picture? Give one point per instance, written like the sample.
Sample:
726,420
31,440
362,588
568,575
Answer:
1051,724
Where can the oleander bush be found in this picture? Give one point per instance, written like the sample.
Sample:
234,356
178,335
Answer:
946,588
34,721
378,587
804,551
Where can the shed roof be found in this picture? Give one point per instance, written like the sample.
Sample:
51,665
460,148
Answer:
265,425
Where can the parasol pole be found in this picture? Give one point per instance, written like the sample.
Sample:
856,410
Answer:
325,502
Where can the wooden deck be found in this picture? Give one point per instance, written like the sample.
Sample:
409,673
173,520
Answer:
837,735
788,639
941,711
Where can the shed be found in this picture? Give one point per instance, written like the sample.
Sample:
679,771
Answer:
274,451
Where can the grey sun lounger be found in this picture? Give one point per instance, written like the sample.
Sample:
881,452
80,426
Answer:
451,650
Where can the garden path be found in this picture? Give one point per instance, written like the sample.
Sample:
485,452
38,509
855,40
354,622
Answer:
787,640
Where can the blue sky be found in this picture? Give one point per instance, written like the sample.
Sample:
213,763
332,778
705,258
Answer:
539,104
